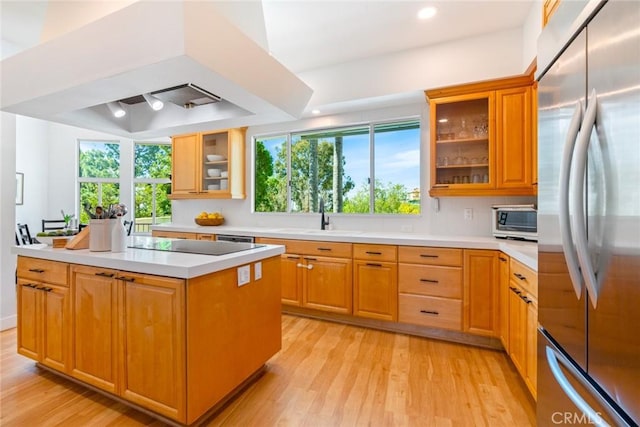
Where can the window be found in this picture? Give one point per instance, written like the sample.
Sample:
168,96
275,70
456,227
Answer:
98,175
152,168
364,169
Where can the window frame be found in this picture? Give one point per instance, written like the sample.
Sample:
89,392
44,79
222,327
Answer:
153,181
287,136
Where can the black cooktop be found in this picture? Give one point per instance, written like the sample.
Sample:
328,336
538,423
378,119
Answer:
202,247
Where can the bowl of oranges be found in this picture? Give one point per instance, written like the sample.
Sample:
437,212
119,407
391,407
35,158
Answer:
209,218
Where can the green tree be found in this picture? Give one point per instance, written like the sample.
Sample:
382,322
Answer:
389,198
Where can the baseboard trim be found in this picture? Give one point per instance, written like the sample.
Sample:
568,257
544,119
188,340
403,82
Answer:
8,322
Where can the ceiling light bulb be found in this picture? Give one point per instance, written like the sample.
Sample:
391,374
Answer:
153,102
116,109
316,111
427,12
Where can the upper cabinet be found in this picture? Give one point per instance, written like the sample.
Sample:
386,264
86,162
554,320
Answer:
548,7
482,139
209,165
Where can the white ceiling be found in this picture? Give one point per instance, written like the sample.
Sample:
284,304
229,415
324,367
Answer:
305,35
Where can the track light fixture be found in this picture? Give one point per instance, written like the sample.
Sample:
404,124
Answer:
116,109
153,102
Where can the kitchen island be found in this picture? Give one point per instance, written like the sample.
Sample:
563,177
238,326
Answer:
172,334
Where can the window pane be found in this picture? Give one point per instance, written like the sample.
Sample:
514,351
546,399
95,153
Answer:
148,210
325,165
94,194
270,193
98,159
397,168
152,160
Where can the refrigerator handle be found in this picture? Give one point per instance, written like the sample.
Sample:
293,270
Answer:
553,357
564,215
577,199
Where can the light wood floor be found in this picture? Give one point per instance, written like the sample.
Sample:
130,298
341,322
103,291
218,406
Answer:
327,374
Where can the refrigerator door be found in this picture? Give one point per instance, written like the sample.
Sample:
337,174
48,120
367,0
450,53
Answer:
613,199
569,397
561,101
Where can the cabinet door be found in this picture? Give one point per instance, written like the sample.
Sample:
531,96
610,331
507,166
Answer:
291,279
376,290
480,299
504,300
56,326
517,326
29,314
327,284
531,344
237,163
154,345
95,326
513,138
185,164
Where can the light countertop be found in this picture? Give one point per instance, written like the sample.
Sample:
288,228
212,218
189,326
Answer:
524,252
160,263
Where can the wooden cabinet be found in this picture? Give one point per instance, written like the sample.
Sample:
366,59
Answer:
174,234
44,312
523,322
316,274
375,281
209,165
504,294
548,8
430,287
95,293
482,138
153,339
481,315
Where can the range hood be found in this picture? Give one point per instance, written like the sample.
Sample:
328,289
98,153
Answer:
208,72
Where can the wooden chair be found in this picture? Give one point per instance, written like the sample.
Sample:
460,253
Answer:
52,224
24,236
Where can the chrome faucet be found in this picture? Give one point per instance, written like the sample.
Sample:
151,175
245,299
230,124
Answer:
323,222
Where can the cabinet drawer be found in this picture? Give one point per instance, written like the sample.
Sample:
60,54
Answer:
524,276
173,234
43,270
430,311
375,252
430,280
431,256
330,249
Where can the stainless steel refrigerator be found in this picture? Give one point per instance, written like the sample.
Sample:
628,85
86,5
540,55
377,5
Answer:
589,215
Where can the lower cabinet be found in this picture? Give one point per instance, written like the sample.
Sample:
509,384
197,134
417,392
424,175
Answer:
504,294
44,312
375,282
481,315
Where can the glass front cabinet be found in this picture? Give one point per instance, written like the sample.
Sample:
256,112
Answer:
481,140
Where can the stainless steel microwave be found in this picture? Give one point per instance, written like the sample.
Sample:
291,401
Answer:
515,222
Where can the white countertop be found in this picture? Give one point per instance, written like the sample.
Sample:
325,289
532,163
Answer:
524,252
160,263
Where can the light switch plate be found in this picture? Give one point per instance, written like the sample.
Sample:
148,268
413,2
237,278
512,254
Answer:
257,271
244,275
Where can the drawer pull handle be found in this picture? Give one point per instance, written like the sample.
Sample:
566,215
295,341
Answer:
310,259
434,313
324,249
30,285
515,290
46,289
36,270
308,266
525,299
371,264
520,276
103,274
373,253
429,281
428,256
127,279
292,257
502,259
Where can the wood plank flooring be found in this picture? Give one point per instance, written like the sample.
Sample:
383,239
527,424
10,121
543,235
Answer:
327,374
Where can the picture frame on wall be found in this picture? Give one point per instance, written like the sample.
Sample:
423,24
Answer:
19,188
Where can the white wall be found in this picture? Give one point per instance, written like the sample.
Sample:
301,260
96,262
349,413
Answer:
7,220
449,220
530,32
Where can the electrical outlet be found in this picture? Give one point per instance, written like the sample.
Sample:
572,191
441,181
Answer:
244,275
257,271
468,213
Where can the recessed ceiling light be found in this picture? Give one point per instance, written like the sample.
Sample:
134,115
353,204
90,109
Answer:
427,12
315,111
